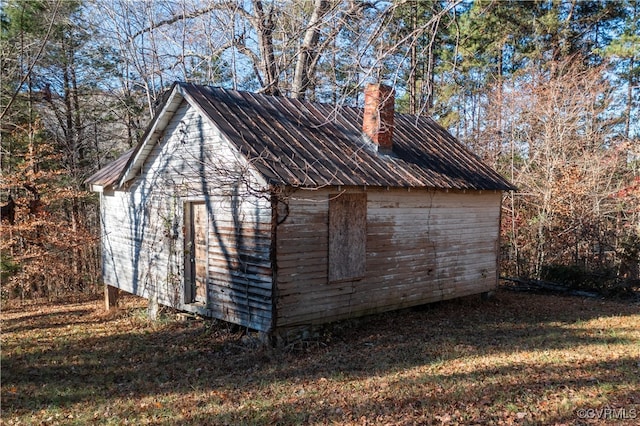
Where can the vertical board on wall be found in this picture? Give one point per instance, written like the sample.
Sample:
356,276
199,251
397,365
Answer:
200,255
347,236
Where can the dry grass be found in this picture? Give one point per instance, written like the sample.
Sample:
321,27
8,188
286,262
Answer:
517,359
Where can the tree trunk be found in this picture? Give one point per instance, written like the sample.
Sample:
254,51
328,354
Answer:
303,71
414,65
630,86
264,25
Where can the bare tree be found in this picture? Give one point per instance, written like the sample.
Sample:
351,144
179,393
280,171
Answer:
564,166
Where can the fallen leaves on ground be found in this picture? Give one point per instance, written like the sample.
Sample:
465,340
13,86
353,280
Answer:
517,359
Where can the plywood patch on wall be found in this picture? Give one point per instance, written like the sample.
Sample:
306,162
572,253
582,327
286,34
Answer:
347,236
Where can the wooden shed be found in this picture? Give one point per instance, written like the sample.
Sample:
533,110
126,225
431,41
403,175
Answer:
273,213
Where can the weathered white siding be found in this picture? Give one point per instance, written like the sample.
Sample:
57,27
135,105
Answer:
422,246
143,226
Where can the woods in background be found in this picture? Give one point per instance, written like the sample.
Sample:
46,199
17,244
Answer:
547,92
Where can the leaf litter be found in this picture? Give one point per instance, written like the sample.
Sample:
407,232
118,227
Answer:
516,359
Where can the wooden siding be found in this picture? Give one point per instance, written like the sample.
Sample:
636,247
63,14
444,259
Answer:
422,246
143,226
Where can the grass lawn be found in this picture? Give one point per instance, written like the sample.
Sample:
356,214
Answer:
517,359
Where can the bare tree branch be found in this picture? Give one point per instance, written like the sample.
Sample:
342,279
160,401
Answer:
181,17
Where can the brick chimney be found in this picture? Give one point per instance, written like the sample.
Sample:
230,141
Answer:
377,123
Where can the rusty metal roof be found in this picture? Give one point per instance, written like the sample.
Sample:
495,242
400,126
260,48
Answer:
109,174
310,144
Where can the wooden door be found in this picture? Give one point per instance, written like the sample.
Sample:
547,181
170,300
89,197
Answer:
197,249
